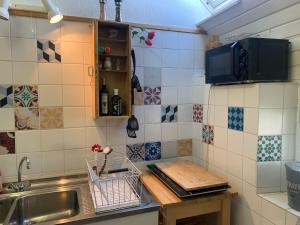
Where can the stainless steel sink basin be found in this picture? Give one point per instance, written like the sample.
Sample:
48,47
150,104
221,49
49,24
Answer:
5,206
40,208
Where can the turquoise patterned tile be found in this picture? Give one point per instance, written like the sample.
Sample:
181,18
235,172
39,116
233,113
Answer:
236,118
26,96
269,148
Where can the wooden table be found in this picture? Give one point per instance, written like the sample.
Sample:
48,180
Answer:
173,208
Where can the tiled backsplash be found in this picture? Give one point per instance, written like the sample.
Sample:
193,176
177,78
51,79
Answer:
46,98
249,133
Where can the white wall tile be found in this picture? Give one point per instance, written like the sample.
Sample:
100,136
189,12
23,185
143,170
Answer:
5,53
50,73
170,58
199,60
52,139
28,141
74,117
6,72
291,219
47,31
197,131
140,136
220,159
235,141
169,131
50,95
72,52
185,130
8,165
169,77
53,161
72,74
7,119
251,120
289,121
74,160
185,113
152,113
198,97
23,49
273,213
221,96
270,95
152,57
288,147
220,137
170,40
73,96
249,171
290,95
185,76
251,95
250,146
90,121
4,28
71,31
185,95
235,164
25,73
186,59
266,222
96,135
24,27
152,132
186,41
236,95
75,138
270,122
251,199
116,135
169,95
268,174
221,116
87,54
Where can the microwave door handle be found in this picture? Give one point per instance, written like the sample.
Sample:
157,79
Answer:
234,47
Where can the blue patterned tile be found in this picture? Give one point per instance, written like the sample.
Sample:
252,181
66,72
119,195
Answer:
169,113
152,151
236,118
135,152
6,96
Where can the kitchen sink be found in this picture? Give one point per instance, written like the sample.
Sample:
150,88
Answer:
5,206
41,208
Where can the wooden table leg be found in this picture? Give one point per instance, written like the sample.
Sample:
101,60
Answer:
224,214
169,218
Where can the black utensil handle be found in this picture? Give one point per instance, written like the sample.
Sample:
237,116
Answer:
133,60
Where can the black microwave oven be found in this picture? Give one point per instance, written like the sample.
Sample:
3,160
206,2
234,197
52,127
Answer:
248,61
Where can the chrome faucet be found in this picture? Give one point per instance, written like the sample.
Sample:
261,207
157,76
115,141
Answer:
21,185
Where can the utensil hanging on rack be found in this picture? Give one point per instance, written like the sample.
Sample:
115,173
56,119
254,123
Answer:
132,126
135,83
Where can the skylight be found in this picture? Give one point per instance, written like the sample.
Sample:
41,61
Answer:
218,6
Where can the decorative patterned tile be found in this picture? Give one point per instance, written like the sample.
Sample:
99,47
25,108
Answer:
152,95
198,113
236,118
184,147
135,152
26,118
7,143
26,96
6,96
208,134
152,151
269,148
51,117
48,51
169,113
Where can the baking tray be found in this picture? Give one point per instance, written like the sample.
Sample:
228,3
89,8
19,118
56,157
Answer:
179,191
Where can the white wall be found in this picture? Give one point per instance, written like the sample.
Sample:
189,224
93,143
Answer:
179,13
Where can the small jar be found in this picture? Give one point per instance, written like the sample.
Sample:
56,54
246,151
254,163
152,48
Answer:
107,63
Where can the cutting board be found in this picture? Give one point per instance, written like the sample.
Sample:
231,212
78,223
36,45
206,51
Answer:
190,176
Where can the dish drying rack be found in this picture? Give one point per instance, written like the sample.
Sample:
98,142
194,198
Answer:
117,187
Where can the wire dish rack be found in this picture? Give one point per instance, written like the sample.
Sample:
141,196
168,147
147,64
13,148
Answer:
117,187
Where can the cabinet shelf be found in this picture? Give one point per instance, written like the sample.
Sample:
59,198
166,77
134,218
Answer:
112,40
113,55
112,71
113,117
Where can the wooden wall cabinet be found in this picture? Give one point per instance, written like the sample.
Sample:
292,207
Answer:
117,36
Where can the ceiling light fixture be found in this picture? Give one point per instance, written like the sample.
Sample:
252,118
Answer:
4,14
54,14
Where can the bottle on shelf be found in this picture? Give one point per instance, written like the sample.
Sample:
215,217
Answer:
116,103
104,100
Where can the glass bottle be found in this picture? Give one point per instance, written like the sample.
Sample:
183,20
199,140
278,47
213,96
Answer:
116,104
102,9
103,100
118,4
